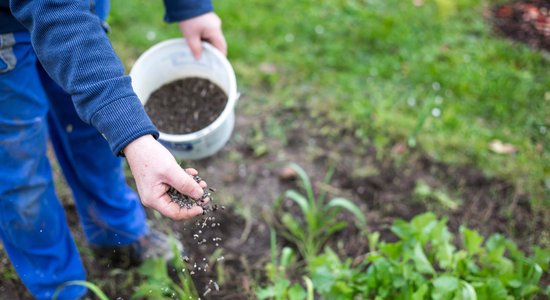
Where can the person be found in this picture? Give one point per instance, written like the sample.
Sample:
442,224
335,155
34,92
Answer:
61,81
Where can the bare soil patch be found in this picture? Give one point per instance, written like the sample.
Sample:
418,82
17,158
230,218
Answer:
526,21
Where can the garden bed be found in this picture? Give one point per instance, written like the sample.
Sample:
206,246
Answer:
386,188
386,185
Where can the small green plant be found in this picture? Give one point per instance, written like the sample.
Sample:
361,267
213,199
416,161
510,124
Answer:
319,220
257,140
280,286
157,284
336,279
435,199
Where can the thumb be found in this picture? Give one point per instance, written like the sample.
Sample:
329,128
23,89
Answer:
184,183
195,45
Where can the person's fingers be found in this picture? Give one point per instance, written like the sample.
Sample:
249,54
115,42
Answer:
173,211
192,171
204,201
194,42
218,41
184,183
187,213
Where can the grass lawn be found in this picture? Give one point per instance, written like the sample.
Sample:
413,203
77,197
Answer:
433,76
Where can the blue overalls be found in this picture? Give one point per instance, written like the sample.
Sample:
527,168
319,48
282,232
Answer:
33,226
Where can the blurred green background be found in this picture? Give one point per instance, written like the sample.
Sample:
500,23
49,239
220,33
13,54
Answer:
431,74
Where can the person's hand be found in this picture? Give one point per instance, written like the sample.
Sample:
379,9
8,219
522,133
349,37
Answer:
207,27
155,170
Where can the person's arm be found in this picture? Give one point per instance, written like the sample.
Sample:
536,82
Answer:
76,53
197,22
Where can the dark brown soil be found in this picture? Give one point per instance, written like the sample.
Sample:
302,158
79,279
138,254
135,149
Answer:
525,21
243,245
186,105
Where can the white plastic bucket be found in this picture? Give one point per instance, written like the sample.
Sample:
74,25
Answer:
171,60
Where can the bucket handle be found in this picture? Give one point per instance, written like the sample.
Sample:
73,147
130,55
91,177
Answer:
237,97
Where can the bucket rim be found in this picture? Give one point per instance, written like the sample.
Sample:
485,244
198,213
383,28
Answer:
232,96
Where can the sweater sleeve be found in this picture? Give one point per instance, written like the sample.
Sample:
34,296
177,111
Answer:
76,53
180,10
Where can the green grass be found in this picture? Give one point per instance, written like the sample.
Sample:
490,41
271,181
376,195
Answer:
385,67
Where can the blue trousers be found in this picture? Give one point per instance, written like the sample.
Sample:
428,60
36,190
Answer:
33,226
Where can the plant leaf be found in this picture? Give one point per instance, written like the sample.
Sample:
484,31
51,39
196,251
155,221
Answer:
287,257
293,226
542,257
296,292
420,293
265,293
351,207
402,229
299,199
334,227
326,180
273,245
421,262
149,290
373,240
309,288
444,287
92,287
305,181
155,270
534,273
467,291
423,225
472,240
495,289
392,250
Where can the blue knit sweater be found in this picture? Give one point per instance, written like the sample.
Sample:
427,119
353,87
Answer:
76,53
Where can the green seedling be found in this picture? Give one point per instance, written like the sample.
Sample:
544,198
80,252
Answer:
278,272
435,198
157,284
257,140
319,217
